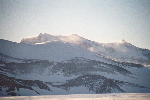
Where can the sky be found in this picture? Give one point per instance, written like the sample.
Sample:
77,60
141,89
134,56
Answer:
97,20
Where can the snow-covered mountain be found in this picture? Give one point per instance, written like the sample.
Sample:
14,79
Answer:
120,51
52,51
47,65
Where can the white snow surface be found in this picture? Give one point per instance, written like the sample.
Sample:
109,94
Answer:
109,96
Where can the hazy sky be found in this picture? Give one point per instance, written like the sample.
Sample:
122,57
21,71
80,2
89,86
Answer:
97,20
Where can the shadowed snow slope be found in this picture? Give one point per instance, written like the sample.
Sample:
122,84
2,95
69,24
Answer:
52,51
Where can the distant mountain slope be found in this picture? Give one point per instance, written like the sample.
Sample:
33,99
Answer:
120,51
74,76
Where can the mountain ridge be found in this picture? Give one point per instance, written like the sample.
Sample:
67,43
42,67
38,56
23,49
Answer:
121,51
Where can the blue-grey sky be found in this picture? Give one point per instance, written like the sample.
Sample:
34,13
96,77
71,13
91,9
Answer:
97,20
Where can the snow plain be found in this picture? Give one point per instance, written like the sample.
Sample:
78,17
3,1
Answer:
112,96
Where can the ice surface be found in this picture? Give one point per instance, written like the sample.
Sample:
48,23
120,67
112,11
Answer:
112,96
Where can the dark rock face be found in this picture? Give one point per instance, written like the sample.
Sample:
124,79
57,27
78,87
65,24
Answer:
13,84
96,83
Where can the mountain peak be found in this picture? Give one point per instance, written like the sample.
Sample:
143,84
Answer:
44,35
74,38
75,35
123,41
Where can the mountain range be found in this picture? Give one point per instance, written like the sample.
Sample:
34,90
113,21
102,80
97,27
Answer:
56,65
